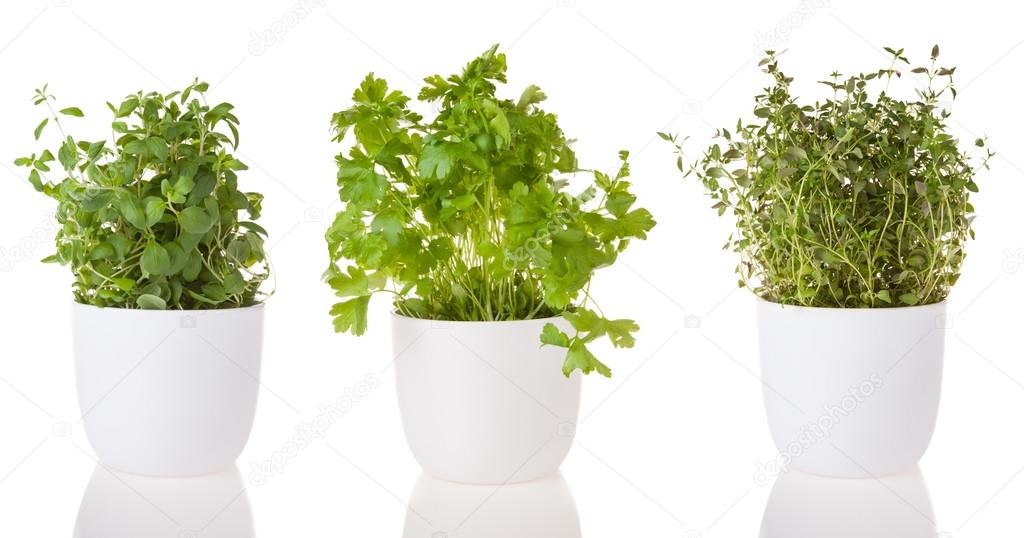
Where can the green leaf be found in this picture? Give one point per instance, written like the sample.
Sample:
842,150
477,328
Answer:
620,332
388,224
193,266
72,111
353,284
125,284
133,212
530,96
195,220
157,147
552,335
148,301
580,358
155,259
909,298
154,209
100,251
36,181
350,316
39,129
435,162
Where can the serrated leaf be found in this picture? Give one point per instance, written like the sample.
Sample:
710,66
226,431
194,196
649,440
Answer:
580,358
552,335
350,316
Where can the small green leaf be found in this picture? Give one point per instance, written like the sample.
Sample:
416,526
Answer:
350,316
155,259
72,111
154,209
133,212
148,301
125,284
157,147
36,181
580,358
909,298
353,284
39,129
195,220
435,162
552,335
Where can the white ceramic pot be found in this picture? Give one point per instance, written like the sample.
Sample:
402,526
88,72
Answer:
851,392
483,402
167,393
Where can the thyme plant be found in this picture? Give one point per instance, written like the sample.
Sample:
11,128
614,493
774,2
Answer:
859,200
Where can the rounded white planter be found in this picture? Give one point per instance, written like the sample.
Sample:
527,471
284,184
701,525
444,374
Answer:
167,393
483,402
851,392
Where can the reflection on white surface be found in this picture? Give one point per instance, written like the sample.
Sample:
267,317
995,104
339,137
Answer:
539,508
808,506
121,505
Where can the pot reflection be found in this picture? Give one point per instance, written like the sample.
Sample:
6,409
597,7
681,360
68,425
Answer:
121,505
542,507
808,506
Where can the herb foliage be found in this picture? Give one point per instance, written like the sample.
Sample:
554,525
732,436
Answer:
469,216
151,218
860,200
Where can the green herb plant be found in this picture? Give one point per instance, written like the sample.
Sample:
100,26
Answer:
469,217
860,200
151,218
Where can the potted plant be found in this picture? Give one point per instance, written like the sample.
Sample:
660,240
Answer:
851,218
167,314
468,223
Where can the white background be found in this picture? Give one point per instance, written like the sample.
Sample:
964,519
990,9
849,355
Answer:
669,446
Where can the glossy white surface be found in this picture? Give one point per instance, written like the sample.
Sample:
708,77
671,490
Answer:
484,403
544,507
671,444
808,506
123,505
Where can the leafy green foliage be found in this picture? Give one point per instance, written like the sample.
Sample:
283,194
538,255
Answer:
150,219
860,200
469,217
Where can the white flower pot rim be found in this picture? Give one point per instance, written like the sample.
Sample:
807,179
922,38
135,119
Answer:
170,311
512,322
852,309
